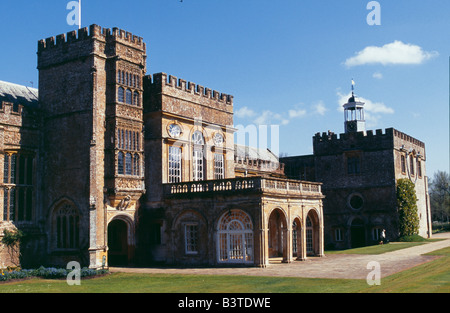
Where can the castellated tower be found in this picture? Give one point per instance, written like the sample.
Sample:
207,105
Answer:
91,94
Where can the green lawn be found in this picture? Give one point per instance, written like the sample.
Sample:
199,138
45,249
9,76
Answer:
380,249
431,277
377,249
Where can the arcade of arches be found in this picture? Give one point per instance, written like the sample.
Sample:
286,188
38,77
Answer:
238,238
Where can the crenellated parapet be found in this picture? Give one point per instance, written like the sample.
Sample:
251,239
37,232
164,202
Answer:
85,41
162,80
176,96
399,136
331,143
94,31
18,115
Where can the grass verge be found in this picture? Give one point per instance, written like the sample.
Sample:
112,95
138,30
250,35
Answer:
431,277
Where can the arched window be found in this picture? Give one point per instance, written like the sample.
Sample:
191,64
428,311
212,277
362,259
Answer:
403,161
120,166
120,95
235,238
136,99
129,97
198,167
128,162
67,224
136,167
119,77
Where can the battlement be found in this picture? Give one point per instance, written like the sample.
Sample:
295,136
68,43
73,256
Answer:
332,137
94,31
329,142
162,80
11,108
405,137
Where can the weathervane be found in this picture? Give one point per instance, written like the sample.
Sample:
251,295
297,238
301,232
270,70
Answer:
353,87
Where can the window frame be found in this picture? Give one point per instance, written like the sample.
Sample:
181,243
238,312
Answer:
18,187
191,238
219,166
175,165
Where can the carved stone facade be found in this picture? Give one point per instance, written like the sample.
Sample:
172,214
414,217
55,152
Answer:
108,166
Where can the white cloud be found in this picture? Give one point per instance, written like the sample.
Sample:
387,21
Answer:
393,53
297,113
320,108
269,118
373,110
244,112
377,75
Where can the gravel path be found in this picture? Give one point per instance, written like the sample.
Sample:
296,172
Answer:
344,266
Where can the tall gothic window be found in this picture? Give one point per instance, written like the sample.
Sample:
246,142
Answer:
129,97
128,162
403,164
128,158
18,187
67,223
136,165
411,164
121,167
136,99
121,95
198,168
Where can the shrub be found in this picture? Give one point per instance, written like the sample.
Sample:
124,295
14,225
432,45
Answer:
407,208
412,238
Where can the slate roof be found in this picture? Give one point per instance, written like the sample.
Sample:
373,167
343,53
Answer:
255,153
18,94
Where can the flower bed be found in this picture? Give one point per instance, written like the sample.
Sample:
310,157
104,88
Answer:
46,273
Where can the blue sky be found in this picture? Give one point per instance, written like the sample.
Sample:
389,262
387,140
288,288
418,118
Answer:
286,62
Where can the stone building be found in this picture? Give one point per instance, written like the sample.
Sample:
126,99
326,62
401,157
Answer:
106,165
359,170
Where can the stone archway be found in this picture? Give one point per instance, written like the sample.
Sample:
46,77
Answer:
277,226
118,243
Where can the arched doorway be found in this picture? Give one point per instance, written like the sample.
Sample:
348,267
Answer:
277,234
357,233
235,238
118,243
